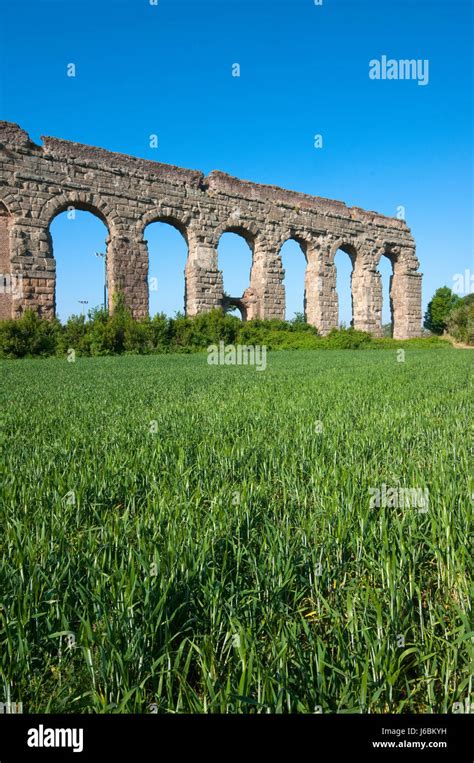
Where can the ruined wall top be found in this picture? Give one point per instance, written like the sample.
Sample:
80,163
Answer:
217,185
221,183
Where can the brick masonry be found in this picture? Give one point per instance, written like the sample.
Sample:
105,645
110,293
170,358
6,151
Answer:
127,193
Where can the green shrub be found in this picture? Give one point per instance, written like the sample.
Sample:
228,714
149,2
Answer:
461,321
347,339
160,334
438,310
116,334
138,337
76,335
27,336
203,330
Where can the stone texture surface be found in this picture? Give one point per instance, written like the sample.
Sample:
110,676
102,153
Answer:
39,182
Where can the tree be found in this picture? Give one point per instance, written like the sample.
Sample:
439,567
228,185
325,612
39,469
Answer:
298,318
461,320
438,310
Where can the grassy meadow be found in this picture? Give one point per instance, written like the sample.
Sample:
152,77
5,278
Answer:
179,537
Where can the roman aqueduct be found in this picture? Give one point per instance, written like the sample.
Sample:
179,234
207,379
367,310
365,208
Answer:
126,193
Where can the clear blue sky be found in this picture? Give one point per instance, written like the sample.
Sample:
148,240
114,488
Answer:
167,70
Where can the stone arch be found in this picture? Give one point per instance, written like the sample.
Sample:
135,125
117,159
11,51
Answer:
304,239
351,247
249,236
403,256
80,202
379,254
117,241
10,203
84,202
60,285
265,297
306,244
240,304
404,289
245,228
188,227
180,220
9,284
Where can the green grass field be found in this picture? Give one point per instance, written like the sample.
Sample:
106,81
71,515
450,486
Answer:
184,537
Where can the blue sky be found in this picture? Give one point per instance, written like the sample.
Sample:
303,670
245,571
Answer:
167,70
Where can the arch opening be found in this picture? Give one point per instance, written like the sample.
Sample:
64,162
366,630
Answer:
78,239
57,207
167,255
293,257
235,258
344,261
385,268
236,307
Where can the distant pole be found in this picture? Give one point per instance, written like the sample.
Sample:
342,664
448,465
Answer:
83,302
104,255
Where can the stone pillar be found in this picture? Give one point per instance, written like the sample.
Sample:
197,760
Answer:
204,288
266,283
251,304
127,272
405,292
321,302
366,296
7,284
33,269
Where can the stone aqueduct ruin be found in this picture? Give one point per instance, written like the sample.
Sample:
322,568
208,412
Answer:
126,193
